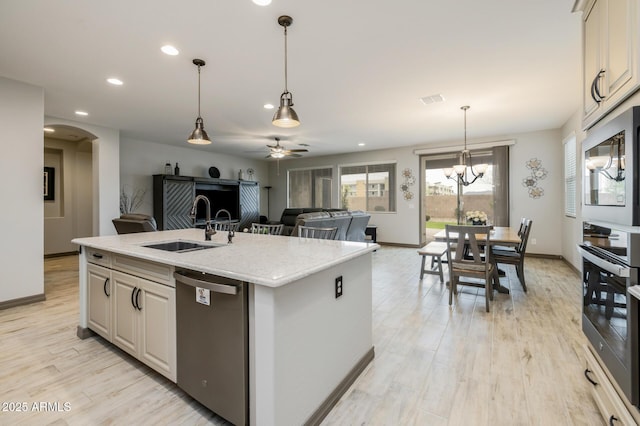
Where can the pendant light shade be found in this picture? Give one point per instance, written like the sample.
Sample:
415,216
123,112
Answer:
285,116
199,135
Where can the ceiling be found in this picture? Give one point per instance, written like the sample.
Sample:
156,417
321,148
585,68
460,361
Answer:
357,68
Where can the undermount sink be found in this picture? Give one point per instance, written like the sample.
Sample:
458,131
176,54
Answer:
182,246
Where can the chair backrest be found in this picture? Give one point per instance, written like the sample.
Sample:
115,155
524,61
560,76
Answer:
263,228
226,226
475,239
130,223
523,221
319,233
522,247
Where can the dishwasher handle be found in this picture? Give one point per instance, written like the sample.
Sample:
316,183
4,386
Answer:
215,287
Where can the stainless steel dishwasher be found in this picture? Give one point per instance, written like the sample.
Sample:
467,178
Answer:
212,339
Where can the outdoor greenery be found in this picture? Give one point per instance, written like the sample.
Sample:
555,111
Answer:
437,225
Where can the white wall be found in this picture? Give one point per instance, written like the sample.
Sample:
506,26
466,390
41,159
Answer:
405,226
70,214
106,173
545,211
140,160
21,192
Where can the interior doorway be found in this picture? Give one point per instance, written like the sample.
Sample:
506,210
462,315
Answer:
68,187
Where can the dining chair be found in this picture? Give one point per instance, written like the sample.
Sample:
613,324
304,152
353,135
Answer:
226,226
318,233
477,263
264,228
515,257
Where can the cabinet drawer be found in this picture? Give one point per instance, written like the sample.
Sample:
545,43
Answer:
99,257
607,399
152,271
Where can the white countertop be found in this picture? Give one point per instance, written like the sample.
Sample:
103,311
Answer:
268,260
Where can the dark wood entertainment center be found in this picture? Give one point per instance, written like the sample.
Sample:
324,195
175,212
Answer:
173,197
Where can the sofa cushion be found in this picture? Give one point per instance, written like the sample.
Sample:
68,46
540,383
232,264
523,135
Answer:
357,226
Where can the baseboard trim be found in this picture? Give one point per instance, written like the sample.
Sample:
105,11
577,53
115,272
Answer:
22,301
573,268
399,245
68,253
333,398
84,333
546,256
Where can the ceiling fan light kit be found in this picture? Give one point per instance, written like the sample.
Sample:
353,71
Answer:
199,135
285,116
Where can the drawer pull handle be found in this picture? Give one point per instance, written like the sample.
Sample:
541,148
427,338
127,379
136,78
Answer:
138,301
586,374
97,255
104,288
612,419
133,295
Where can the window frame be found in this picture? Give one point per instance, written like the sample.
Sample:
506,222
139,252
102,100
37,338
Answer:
303,169
570,203
393,200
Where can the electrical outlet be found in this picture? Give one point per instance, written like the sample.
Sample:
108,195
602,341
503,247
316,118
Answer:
534,241
339,286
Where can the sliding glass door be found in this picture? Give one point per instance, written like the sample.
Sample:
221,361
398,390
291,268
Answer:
446,201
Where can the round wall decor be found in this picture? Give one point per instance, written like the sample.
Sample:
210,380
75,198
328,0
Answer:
214,172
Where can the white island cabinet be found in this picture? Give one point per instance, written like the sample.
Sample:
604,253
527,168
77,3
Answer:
306,342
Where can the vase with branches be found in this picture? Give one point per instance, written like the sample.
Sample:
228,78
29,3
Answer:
131,200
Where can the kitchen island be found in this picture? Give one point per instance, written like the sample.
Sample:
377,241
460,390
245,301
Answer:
307,341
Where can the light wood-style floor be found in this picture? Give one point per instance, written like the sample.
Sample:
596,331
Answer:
520,364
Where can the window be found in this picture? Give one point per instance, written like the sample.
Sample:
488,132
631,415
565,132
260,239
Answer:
570,176
445,201
368,187
310,187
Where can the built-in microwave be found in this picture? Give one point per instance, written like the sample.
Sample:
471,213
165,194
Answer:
610,170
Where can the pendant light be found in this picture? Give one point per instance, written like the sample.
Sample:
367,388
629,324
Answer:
285,116
462,175
199,136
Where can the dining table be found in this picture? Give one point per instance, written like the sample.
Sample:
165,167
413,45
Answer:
499,235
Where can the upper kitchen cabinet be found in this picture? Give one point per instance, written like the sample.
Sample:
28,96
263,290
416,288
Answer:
610,54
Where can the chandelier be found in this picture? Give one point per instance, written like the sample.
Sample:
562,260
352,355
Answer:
465,170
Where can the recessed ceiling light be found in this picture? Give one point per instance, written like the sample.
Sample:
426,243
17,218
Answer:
262,2
432,99
82,113
169,50
115,81
49,130
268,106
361,144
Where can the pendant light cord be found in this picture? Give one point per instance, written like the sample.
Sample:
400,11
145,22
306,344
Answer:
286,90
199,92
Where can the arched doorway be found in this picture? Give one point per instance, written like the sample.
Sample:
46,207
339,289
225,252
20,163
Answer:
68,187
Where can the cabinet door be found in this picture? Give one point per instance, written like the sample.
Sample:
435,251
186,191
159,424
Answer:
618,47
178,199
157,325
593,33
125,314
249,204
99,289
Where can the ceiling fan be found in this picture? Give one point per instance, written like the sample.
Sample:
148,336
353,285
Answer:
277,151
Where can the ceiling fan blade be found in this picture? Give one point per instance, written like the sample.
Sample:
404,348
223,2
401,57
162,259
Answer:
298,150
293,155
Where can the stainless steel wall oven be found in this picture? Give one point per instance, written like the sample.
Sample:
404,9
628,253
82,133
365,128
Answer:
611,258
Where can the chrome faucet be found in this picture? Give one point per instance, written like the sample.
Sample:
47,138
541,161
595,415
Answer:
231,233
208,230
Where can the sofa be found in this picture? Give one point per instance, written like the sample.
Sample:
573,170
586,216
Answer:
351,224
290,215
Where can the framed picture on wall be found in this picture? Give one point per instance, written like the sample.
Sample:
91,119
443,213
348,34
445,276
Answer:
49,183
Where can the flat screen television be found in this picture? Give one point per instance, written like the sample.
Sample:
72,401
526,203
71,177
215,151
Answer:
221,197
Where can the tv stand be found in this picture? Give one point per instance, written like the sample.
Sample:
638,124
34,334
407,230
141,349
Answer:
173,198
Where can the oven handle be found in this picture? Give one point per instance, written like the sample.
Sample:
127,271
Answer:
618,270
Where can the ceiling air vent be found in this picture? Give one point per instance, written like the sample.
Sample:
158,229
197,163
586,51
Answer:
432,99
